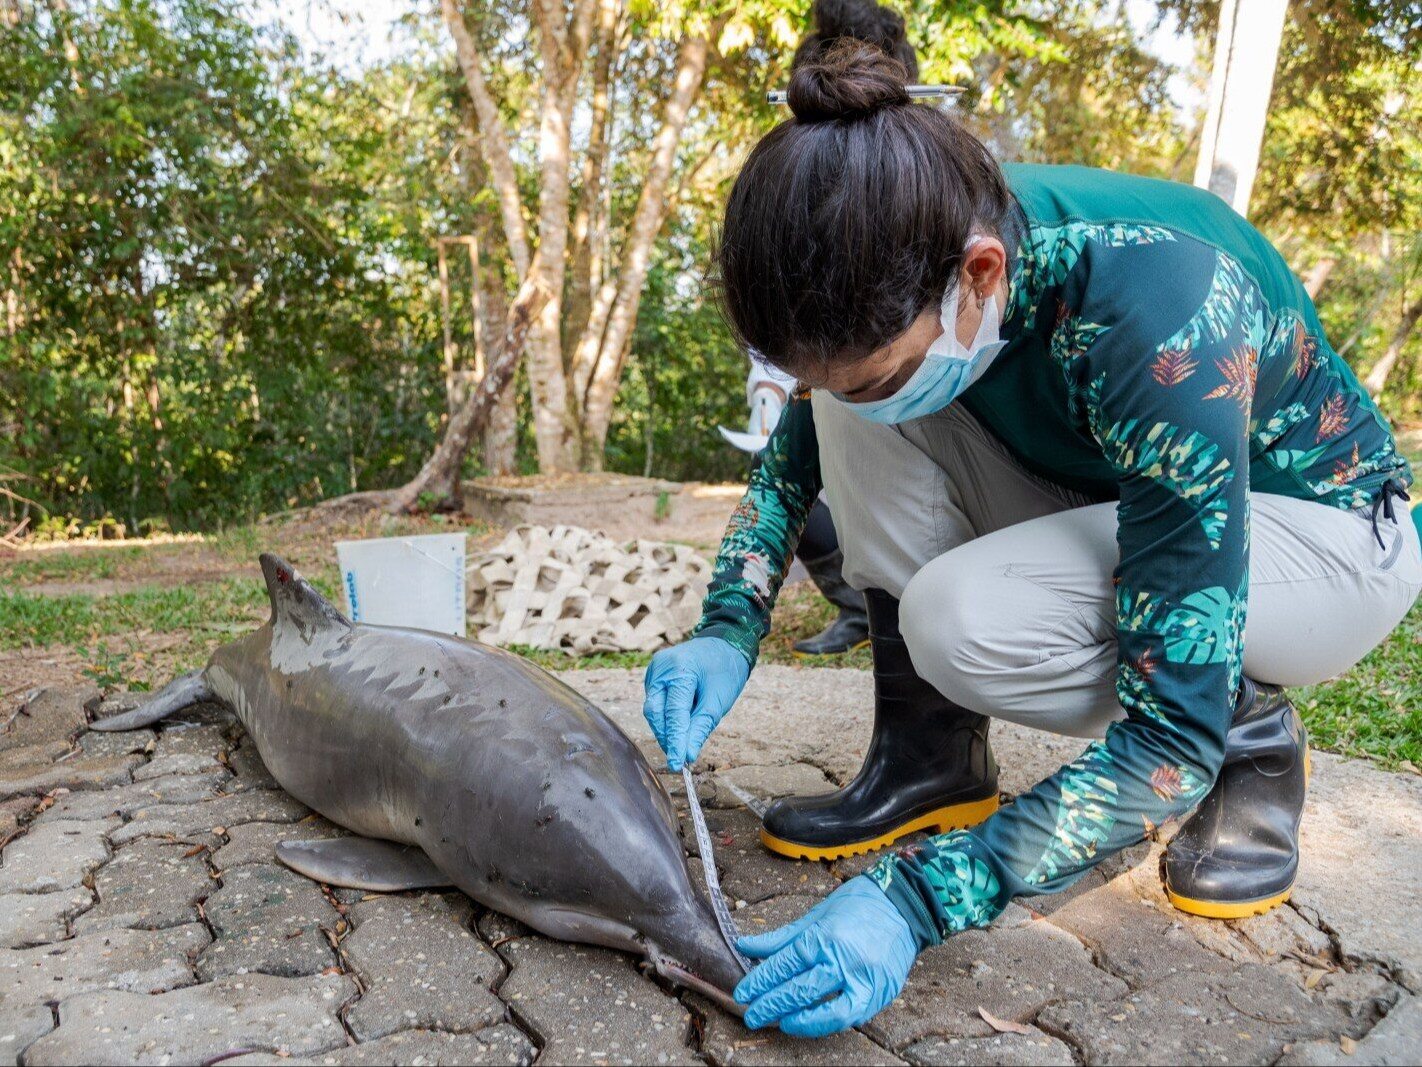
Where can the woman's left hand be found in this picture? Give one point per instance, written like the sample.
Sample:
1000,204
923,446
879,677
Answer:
853,947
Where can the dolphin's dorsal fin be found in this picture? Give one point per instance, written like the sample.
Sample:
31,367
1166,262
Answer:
295,600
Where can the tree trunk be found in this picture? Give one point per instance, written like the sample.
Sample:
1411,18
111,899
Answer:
607,341
563,47
438,480
498,155
501,436
579,304
1376,380
1317,275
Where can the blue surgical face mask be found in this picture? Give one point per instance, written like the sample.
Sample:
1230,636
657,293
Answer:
946,371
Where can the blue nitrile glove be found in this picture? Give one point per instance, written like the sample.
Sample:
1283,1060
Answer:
690,687
853,947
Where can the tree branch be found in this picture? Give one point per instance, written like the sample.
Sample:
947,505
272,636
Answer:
439,478
579,304
604,365
493,139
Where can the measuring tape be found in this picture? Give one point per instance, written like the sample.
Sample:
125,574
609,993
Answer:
729,933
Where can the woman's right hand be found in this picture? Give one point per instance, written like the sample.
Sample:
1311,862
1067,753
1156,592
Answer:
690,687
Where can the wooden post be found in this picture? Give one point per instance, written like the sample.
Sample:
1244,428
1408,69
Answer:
457,382
1246,53
449,389
476,312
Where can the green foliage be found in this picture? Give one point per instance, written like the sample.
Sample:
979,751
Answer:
685,377
202,325
1340,173
109,668
217,291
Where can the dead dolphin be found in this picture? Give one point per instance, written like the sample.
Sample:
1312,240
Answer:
460,764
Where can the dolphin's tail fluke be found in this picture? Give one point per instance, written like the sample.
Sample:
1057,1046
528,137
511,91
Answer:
296,600
182,692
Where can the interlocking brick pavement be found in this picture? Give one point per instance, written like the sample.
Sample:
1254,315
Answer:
143,919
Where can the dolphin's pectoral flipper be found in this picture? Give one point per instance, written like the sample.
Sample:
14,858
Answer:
362,863
182,692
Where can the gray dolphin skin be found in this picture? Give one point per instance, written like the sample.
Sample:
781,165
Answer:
460,764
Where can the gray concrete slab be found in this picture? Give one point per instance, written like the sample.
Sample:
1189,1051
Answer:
54,855
202,1023
590,1005
38,918
269,919
421,966
148,885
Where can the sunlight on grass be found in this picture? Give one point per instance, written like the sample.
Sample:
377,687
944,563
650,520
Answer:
28,620
73,565
1376,708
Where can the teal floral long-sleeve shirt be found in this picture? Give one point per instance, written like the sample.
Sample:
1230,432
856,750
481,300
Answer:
1161,354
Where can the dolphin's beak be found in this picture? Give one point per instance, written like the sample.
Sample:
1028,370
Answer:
676,973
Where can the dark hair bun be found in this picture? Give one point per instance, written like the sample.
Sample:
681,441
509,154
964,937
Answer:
851,80
862,20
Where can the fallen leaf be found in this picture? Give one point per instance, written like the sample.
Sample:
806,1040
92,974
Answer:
1314,977
1002,1026
1348,1045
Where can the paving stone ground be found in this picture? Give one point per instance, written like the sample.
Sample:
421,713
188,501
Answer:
143,919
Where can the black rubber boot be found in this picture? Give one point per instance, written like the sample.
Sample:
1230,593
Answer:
1238,854
850,630
929,766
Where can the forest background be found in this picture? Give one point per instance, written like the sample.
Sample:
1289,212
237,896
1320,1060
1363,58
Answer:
220,255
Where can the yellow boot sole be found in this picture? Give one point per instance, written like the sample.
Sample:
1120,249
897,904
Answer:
1214,909
940,820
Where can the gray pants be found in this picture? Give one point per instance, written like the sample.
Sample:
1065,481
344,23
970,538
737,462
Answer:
1005,579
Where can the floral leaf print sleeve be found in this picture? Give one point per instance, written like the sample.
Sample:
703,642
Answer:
1160,356
763,532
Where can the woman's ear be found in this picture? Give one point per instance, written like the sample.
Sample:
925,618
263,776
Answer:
984,267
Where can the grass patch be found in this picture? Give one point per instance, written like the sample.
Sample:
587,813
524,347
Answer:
1375,710
561,661
72,565
239,544
799,613
30,621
